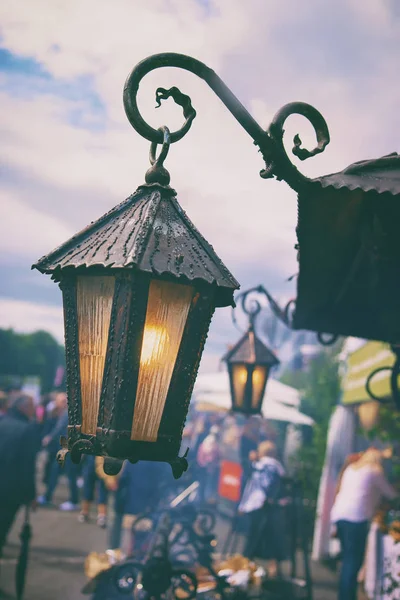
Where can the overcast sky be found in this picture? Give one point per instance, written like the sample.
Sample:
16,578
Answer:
68,153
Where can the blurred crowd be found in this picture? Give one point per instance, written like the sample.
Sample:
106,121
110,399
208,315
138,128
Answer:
30,439
30,429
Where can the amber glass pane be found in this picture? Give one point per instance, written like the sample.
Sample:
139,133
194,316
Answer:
94,302
258,380
239,374
167,310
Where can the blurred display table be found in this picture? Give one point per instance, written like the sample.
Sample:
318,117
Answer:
382,566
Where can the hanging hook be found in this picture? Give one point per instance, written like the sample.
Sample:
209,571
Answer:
157,172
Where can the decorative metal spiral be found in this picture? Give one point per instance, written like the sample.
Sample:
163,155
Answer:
394,378
270,142
252,307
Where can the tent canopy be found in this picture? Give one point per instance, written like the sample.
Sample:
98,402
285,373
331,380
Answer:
211,392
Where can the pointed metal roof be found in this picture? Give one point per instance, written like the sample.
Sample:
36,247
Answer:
380,175
150,232
250,349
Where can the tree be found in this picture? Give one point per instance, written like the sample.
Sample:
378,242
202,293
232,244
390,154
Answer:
30,354
320,387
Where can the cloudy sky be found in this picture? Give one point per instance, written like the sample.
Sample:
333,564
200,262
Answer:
68,153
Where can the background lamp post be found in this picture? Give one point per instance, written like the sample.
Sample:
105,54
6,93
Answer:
249,362
140,284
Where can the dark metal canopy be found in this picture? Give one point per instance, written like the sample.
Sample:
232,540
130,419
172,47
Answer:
250,350
349,252
151,233
381,175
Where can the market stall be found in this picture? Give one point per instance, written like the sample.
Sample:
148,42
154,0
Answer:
356,423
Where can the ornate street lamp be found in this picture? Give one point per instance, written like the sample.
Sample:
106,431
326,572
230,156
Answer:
249,362
140,284
139,288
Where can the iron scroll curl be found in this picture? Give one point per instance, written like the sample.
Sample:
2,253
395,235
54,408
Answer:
269,142
251,306
394,379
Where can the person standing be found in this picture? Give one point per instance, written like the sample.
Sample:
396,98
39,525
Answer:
94,486
137,491
19,444
208,459
260,501
363,484
52,443
48,424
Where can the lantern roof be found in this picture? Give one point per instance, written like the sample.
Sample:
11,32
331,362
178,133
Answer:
381,175
149,232
251,350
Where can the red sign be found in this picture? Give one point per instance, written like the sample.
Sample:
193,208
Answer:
230,481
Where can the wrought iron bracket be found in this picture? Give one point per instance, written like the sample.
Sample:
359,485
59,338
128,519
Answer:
394,378
270,142
252,307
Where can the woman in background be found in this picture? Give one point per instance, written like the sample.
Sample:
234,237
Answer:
260,501
362,486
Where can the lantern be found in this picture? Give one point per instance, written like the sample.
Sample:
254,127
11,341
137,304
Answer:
139,289
249,363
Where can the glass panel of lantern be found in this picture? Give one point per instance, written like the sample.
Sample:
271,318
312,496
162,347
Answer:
167,310
94,301
259,378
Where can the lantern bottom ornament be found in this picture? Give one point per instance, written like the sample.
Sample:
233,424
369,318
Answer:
112,466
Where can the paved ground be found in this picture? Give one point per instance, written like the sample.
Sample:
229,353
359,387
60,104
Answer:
58,550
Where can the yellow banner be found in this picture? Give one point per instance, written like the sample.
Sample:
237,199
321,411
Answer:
360,364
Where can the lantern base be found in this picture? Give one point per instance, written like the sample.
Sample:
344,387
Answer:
113,461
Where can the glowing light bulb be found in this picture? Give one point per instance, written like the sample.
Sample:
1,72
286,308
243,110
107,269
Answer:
155,340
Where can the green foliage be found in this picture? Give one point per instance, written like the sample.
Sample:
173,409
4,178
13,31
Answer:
320,387
387,428
30,354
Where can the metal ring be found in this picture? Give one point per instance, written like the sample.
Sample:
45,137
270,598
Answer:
164,149
329,341
394,383
369,379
